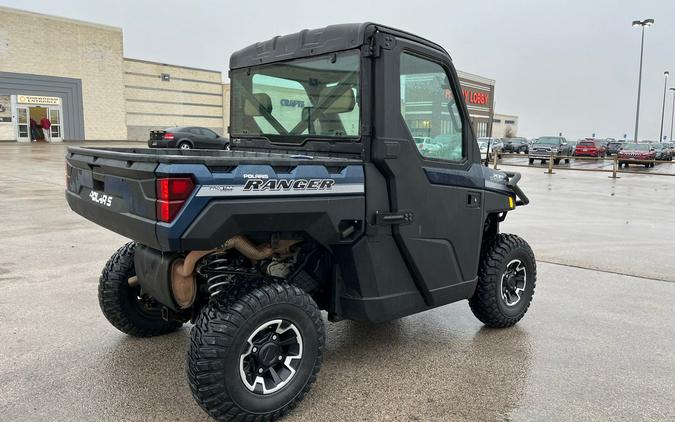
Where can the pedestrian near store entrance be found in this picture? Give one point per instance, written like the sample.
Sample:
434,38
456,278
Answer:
46,124
34,128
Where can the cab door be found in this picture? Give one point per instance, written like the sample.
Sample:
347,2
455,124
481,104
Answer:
435,188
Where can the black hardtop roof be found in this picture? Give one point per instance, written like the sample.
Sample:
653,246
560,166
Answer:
313,42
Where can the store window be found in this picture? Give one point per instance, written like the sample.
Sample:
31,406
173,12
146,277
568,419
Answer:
481,129
429,109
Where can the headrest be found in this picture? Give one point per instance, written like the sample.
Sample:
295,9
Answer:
343,103
256,109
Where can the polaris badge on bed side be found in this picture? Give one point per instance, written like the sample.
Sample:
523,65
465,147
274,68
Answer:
325,202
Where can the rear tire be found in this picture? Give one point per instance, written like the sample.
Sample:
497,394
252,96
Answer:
125,307
506,281
233,370
531,160
184,145
556,161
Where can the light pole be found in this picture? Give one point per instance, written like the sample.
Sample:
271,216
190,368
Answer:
663,107
642,24
672,117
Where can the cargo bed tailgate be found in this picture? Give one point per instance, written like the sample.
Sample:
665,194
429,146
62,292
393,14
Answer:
117,194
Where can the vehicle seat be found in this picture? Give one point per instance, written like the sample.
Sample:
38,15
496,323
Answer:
330,123
262,103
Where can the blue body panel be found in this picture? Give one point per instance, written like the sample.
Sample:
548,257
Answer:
237,177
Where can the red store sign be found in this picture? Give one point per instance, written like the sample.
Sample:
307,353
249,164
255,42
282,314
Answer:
473,97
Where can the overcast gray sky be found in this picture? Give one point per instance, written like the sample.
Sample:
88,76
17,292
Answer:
566,66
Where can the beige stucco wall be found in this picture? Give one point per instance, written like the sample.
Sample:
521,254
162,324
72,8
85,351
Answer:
226,107
191,97
37,44
499,125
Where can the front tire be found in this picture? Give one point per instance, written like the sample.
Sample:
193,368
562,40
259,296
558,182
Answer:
255,356
126,307
506,281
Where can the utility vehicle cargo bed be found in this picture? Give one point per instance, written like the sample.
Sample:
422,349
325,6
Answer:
117,188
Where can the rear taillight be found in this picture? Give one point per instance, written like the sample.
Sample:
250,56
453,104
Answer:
168,137
171,195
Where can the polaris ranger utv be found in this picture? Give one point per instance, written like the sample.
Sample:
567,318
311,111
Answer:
325,202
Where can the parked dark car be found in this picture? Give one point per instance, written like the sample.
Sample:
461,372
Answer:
187,137
662,151
633,153
542,148
516,145
590,148
614,147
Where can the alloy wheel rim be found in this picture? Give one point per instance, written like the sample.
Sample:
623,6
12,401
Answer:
513,282
185,146
271,357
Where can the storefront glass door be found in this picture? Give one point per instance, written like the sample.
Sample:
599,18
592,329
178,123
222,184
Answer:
23,124
55,119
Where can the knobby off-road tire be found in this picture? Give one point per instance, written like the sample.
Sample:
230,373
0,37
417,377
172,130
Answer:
495,302
121,303
221,352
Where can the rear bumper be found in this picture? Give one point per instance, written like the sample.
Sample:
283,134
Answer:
586,154
161,143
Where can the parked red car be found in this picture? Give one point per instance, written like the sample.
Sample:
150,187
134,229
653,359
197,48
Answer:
590,148
637,154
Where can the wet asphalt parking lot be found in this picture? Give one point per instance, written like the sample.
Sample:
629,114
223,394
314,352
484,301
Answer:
597,343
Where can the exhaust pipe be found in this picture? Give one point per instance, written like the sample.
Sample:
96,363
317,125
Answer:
183,282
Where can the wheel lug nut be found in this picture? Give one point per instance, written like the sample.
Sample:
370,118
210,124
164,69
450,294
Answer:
260,371
255,349
274,337
281,357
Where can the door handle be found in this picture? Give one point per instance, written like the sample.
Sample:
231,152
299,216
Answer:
393,218
473,200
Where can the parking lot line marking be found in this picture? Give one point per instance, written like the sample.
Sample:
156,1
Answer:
606,271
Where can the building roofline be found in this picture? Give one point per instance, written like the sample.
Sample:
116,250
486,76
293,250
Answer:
475,78
505,115
173,65
60,18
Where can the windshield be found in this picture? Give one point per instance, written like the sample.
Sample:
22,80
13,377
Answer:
291,101
547,141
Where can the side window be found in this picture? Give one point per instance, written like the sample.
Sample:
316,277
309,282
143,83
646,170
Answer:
429,109
208,133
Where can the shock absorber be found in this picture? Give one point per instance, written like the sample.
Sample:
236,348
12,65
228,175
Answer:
220,270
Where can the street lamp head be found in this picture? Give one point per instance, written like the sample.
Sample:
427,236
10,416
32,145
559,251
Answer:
666,74
646,22
672,89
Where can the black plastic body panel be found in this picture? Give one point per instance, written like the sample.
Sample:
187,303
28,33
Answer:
318,217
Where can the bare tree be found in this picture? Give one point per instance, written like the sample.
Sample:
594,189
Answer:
508,132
